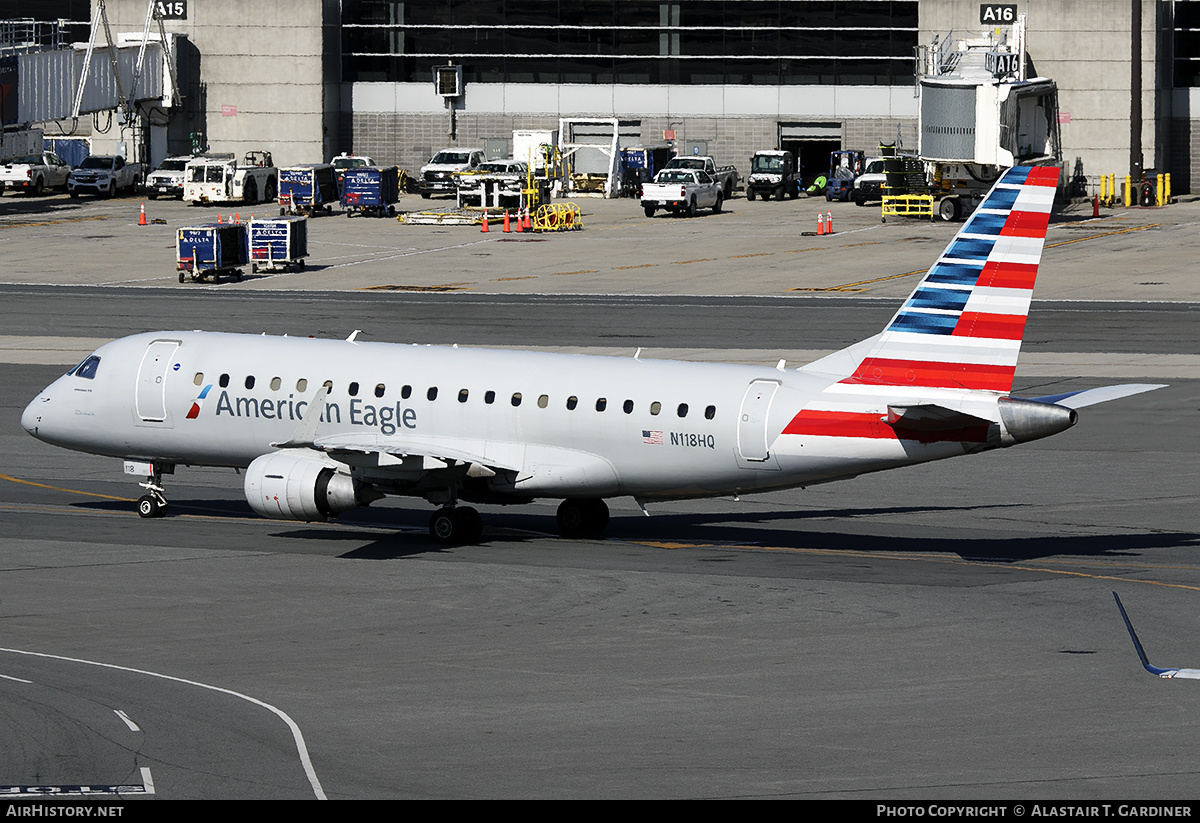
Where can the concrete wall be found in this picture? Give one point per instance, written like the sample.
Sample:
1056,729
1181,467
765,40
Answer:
258,76
1085,49
405,123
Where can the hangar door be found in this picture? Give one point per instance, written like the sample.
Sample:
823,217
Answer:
810,144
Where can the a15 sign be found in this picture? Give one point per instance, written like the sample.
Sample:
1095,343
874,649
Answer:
997,14
172,9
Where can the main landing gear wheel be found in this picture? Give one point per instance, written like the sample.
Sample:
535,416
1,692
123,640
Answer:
582,517
150,506
455,525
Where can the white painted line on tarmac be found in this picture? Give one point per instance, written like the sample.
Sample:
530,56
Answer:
297,736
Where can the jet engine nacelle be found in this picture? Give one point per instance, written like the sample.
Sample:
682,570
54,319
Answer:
288,486
1026,420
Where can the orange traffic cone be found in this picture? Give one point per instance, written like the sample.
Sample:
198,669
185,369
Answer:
528,220
485,225
820,223
506,227
237,218
829,222
218,217
520,223
142,216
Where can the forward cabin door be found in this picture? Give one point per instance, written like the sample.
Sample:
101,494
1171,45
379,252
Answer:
151,400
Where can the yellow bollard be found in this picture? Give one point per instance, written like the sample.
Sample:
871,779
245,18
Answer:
1104,189
1159,192
1128,191
1168,191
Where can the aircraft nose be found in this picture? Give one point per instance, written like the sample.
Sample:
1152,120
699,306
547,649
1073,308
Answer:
31,418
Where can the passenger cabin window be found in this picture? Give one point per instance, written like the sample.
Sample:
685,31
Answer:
655,407
572,402
223,382
380,390
301,384
489,397
405,392
352,389
516,399
249,381
276,383
601,403
198,380
710,412
628,407
328,384
543,401
682,410
432,393
462,395
87,369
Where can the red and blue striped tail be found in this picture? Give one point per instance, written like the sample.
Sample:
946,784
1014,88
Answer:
962,326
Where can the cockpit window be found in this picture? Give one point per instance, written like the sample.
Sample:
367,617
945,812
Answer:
87,369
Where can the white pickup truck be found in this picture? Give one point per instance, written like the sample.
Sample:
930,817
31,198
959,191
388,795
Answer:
682,190
727,176
34,173
104,175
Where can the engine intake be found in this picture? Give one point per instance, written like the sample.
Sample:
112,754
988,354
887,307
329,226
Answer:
288,486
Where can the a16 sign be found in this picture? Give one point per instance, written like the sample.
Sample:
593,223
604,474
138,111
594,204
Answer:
997,14
172,9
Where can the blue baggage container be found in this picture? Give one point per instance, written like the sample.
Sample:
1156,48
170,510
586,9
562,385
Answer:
306,189
370,190
277,243
212,250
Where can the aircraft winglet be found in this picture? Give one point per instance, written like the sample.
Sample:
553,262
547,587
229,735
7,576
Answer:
306,431
1186,674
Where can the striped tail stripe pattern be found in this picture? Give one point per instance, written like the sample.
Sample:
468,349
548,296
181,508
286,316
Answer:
962,326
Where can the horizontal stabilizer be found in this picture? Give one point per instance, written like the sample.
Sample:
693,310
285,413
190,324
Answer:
930,417
1089,397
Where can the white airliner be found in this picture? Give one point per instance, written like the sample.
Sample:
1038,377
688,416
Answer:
326,426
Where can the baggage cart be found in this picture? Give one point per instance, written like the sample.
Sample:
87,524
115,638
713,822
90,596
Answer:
277,243
307,189
371,191
211,250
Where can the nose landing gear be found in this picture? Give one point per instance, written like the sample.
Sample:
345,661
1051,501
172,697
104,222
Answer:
154,502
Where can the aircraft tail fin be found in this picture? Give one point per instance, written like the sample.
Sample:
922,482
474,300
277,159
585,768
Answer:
962,325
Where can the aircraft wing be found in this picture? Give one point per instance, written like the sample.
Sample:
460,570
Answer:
425,454
1184,674
1088,397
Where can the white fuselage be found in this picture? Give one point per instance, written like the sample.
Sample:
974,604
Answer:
565,425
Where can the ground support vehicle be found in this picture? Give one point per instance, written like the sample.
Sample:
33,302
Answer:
844,167
558,217
221,179
682,190
727,176
370,191
211,250
167,179
437,176
307,189
104,175
639,164
772,172
496,184
349,161
34,173
277,243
